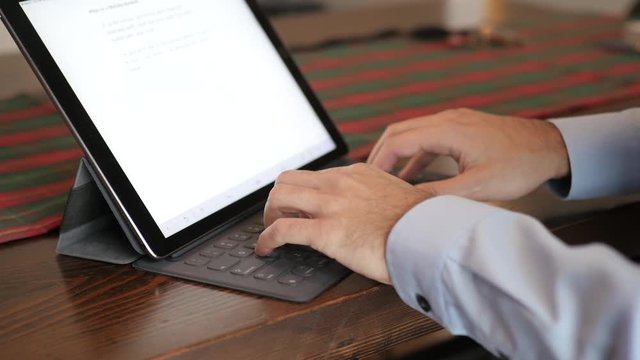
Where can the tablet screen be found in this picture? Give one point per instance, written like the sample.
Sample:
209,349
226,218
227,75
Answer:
191,97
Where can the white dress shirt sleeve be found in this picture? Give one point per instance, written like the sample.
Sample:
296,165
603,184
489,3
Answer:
604,153
504,280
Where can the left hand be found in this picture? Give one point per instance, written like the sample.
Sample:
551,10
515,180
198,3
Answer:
499,157
346,213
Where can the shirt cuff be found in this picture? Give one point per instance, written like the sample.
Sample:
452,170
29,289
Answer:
420,242
603,152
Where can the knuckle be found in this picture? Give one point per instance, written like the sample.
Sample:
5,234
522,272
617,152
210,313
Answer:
450,113
456,113
359,166
392,128
394,143
458,117
285,175
277,192
333,175
463,110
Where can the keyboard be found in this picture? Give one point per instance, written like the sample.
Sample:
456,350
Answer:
292,272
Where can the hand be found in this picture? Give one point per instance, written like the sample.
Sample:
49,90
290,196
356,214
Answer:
346,213
499,157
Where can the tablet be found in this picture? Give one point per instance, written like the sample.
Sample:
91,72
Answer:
187,110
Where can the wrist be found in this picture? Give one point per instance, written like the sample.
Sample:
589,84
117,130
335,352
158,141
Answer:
558,153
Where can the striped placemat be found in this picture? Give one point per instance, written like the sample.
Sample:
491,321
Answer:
38,159
560,68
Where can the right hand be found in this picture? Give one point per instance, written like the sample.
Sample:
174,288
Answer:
499,157
346,213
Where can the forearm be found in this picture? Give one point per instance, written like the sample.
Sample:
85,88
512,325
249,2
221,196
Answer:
502,279
604,154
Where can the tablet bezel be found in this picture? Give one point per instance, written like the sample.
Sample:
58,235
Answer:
107,169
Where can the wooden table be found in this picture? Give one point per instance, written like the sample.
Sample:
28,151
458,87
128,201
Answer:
60,307
66,308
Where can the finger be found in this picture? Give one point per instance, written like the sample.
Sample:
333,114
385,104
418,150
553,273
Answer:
433,140
288,231
417,163
303,178
409,125
394,129
286,200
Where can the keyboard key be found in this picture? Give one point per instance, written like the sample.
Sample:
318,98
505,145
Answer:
304,270
268,273
197,261
222,263
211,252
251,244
290,279
226,244
318,261
296,255
254,229
241,252
248,266
240,237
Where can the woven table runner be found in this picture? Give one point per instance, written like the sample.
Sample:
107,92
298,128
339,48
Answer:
559,68
38,159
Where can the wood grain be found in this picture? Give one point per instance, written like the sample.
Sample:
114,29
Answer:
61,307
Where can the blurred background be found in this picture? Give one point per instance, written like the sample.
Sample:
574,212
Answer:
279,7
610,6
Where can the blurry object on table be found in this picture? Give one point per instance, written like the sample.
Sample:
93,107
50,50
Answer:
632,27
464,15
630,40
280,7
496,13
477,23
341,20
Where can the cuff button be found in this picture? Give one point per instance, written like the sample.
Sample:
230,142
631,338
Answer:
424,304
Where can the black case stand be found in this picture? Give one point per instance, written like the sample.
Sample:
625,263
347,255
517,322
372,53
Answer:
91,227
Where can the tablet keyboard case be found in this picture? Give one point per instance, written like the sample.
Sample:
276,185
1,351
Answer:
93,229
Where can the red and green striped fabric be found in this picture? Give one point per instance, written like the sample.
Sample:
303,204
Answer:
560,68
38,159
